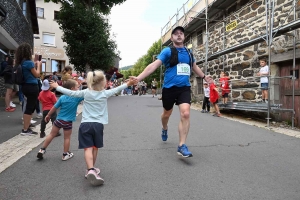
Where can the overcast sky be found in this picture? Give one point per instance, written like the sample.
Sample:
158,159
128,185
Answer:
137,25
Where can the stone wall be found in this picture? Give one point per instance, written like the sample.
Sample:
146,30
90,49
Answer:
17,26
242,65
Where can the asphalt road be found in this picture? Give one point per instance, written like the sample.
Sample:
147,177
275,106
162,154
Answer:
232,161
11,122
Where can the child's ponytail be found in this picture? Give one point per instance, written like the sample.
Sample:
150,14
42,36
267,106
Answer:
94,78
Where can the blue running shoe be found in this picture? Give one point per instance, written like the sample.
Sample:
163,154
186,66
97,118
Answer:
164,135
184,151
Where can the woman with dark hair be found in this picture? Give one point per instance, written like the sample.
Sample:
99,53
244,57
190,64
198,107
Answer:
11,88
31,71
66,74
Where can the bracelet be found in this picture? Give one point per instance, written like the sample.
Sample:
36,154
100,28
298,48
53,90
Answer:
203,77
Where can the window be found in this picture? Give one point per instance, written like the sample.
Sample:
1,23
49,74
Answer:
24,8
296,73
49,39
40,12
199,38
56,13
54,66
44,65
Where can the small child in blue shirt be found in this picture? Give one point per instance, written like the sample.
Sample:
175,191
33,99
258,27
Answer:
67,114
94,116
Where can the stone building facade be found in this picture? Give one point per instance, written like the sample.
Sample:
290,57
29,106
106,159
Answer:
250,20
18,27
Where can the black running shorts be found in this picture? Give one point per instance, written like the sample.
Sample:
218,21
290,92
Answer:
175,95
225,95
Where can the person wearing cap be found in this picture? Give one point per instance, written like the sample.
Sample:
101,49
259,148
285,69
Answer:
176,88
47,99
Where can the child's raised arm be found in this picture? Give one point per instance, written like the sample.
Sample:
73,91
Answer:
73,93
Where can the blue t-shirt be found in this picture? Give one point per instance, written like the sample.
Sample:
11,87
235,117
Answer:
171,78
28,76
68,107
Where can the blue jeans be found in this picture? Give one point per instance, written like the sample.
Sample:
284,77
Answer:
20,94
264,86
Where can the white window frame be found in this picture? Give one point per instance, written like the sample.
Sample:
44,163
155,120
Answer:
44,61
24,7
48,39
38,10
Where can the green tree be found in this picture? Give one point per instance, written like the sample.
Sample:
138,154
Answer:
144,61
102,6
87,33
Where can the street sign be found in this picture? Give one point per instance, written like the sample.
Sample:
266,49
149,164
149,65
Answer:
231,26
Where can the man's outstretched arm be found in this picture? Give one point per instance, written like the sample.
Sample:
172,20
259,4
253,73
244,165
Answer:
149,70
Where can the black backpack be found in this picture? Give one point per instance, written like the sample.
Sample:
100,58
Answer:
18,75
174,57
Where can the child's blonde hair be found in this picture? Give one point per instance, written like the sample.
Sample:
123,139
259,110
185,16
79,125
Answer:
95,78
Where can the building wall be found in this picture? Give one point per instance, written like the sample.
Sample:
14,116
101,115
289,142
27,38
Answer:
15,30
244,64
286,90
54,56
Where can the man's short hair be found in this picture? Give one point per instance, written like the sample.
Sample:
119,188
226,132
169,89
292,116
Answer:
263,59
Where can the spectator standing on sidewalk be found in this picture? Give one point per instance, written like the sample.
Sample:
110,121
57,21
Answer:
206,103
39,115
264,82
3,65
224,84
176,87
94,116
11,88
214,97
66,74
154,87
31,71
54,76
66,117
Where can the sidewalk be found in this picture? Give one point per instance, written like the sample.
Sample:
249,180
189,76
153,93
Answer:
14,146
246,120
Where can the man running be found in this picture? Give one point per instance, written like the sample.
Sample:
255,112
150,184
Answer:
176,87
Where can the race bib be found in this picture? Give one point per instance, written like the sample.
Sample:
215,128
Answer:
183,69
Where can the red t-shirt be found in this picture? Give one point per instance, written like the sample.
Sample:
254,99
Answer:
224,84
213,94
47,98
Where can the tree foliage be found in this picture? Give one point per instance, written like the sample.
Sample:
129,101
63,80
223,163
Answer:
102,6
143,62
87,33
